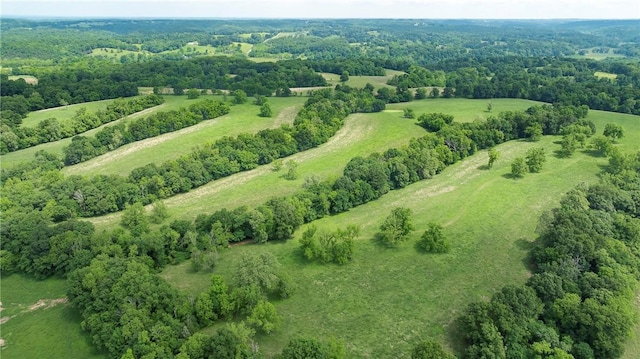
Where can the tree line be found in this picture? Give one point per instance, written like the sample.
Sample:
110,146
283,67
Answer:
579,301
83,148
14,137
319,119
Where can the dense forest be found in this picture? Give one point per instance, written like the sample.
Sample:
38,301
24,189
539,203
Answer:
577,303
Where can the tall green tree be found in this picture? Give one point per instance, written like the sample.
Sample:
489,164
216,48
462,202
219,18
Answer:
396,227
518,167
535,158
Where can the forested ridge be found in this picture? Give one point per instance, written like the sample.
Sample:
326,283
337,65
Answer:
578,302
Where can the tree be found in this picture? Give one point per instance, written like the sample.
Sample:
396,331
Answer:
433,239
264,317
535,159
396,227
518,167
134,219
493,157
239,97
533,132
489,107
421,93
569,144
409,113
292,172
159,212
344,77
429,349
613,131
265,110
193,94
435,92
602,145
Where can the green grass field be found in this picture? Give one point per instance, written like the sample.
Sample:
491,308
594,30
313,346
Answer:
242,119
605,75
386,299
32,80
362,135
40,323
63,113
361,81
27,154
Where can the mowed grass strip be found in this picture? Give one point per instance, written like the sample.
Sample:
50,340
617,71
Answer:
242,119
39,321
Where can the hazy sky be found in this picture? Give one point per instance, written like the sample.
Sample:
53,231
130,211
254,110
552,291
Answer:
487,9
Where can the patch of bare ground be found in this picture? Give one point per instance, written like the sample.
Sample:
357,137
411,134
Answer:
42,303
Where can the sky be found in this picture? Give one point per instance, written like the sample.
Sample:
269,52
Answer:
427,9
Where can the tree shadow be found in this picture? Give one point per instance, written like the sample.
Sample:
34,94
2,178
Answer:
455,335
594,153
560,153
527,246
511,176
483,167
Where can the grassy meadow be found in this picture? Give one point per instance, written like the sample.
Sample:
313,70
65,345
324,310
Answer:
362,134
242,119
39,321
27,154
385,300
361,81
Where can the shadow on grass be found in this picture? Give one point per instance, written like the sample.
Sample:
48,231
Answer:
455,336
511,176
484,167
528,246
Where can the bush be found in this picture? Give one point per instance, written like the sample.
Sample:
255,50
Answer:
433,239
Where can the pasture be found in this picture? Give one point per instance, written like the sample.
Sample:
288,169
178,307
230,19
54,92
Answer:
39,323
361,81
242,119
386,299
27,154
31,80
361,135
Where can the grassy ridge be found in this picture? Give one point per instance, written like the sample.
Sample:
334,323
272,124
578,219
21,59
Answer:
171,103
241,119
